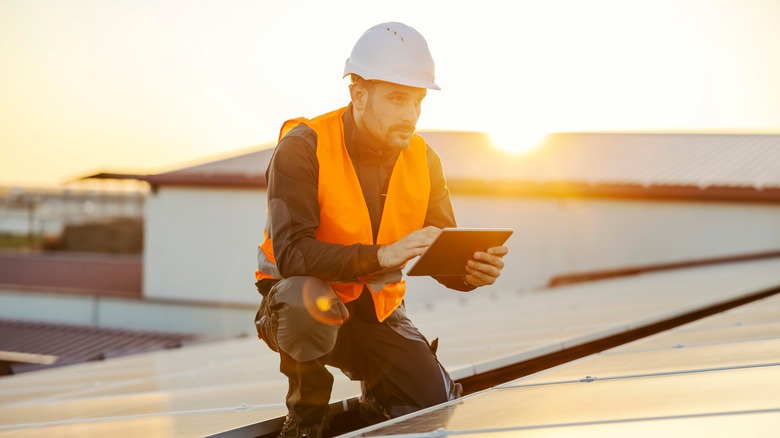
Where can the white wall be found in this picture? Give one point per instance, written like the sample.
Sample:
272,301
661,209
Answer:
201,243
559,236
217,322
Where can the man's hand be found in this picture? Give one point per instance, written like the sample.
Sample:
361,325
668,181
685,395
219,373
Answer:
485,267
415,243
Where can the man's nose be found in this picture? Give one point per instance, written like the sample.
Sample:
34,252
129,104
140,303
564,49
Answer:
411,112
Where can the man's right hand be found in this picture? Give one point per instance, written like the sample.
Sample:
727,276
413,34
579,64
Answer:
394,255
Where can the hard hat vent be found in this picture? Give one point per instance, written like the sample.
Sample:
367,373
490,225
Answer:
395,33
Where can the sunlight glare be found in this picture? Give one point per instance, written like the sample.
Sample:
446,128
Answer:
516,141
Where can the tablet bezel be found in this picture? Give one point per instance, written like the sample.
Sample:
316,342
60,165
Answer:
454,247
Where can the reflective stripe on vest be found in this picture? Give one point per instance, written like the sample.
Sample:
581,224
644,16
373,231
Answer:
344,217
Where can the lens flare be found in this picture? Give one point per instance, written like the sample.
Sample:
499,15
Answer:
322,306
323,303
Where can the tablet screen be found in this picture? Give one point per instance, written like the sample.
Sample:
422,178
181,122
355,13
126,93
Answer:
449,253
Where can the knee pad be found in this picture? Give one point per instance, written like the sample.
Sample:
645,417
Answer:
307,314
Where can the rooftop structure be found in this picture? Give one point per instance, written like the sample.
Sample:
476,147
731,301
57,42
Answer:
660,165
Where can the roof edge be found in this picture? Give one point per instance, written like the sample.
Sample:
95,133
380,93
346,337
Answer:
508,188
212,180
561,189
581,277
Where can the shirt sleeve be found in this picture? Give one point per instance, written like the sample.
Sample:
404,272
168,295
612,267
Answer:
440,214
294,216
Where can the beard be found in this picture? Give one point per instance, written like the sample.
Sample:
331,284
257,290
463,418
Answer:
395,137
398,137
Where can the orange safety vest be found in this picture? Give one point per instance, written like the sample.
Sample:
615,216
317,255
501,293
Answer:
344,217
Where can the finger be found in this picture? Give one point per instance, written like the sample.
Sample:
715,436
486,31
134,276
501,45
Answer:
499,251
479,278
425,236
416,241
472,280
478,268
493,260
431,233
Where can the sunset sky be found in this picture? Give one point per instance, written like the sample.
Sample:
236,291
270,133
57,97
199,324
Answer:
148,86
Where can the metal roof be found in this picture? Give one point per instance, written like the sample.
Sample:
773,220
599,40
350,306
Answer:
700,160
732,166
79,273
242,170
713,377
234,386
729,167
67,344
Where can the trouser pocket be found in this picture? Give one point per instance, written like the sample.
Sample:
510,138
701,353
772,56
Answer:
267,319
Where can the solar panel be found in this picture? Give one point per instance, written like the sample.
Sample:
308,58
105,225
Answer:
235,385
722,385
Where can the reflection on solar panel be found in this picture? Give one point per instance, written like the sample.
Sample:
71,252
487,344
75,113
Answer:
714,377
235,385
195,391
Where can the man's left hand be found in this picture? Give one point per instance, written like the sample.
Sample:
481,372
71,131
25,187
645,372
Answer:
485,267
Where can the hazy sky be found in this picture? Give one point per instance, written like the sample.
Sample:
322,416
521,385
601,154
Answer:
148,86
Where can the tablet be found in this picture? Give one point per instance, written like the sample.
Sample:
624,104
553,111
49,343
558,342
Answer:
449,253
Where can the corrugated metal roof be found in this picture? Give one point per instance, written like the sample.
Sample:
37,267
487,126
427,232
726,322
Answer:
87,273
645,160
242,170
71,344
700,160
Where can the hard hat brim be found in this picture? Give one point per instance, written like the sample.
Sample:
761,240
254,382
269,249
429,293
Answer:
368,74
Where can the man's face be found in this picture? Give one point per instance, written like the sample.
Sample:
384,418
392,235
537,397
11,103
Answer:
391,113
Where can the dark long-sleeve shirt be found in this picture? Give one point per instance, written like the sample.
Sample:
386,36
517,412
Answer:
292,179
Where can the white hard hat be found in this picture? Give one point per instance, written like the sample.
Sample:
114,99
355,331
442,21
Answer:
393,52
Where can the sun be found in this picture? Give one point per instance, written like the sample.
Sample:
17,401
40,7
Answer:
517,141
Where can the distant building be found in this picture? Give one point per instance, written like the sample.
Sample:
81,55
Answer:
582,206
45,212
581,202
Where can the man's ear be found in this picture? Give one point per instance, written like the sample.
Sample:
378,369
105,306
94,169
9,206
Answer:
359,95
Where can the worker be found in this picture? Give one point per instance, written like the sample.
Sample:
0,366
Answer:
353,195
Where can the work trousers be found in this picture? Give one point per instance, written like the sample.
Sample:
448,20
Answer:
397,367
